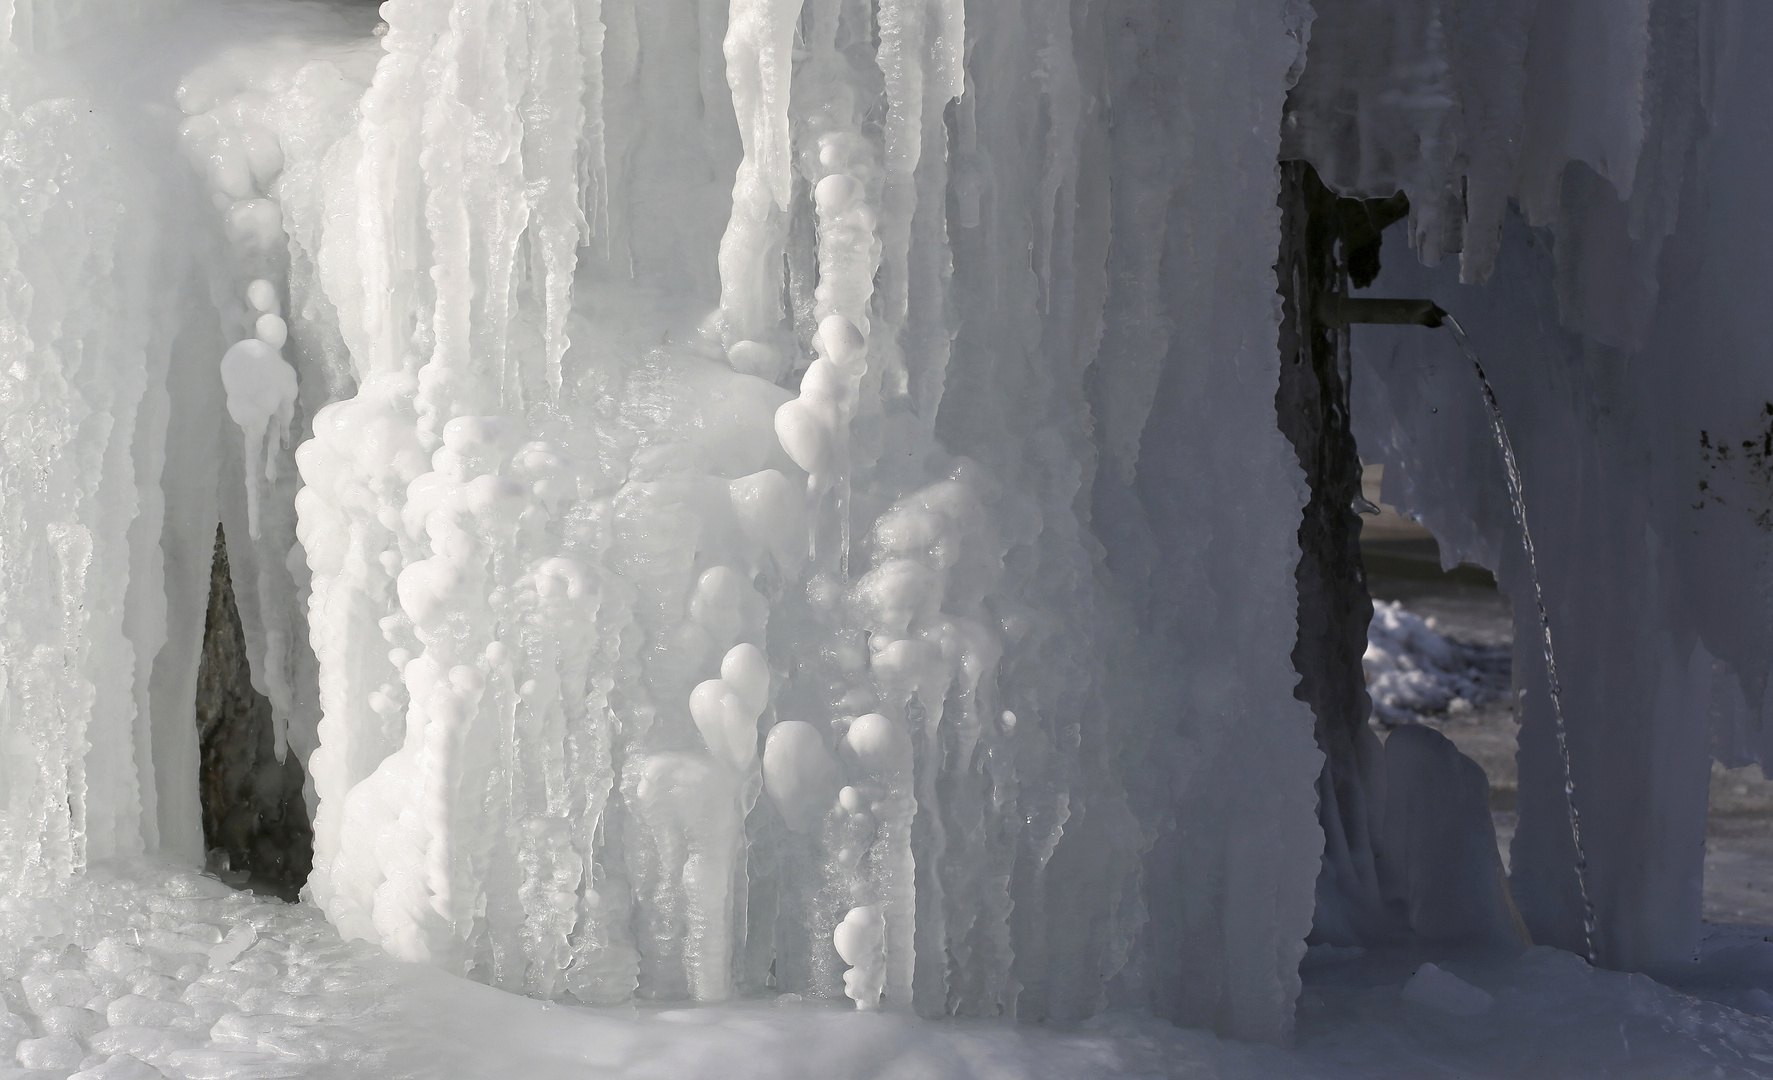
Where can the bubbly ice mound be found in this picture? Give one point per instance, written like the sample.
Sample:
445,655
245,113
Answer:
1412,671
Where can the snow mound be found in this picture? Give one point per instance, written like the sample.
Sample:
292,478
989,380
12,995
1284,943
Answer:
1435,988
1413,671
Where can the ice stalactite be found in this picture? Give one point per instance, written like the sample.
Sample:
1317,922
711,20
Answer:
261,388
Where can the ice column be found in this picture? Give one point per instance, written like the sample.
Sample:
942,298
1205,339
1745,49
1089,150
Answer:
446,825
79,344
1628,368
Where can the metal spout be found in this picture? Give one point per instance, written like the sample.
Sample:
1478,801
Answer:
1336,312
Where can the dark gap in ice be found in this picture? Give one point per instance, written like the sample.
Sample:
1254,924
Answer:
1312,411
255,823
1408,840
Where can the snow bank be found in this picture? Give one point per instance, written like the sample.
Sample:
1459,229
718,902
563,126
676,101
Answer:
142,973
1434,988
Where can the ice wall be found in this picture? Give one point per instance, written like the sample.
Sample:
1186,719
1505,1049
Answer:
792,501
1628,354
1465,105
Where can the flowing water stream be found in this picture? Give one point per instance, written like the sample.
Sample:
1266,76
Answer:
1518,503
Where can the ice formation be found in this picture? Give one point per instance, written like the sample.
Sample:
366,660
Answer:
660,447
785,496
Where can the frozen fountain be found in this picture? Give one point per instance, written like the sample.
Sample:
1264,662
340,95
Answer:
783,501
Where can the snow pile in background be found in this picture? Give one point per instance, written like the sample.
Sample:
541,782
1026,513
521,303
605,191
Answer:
1412,671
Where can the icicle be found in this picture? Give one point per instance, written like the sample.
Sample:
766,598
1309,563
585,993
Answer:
759,43
261,388
593,169
559,146
1059,81
759,40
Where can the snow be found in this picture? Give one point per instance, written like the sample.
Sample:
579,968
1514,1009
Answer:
1435,988
1413,671
176,975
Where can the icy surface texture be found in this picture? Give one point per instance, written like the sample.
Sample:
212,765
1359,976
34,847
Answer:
1642,443
789,498
139,973
1467,104
696,685
81,343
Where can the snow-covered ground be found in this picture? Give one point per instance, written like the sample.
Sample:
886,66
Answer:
147,972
